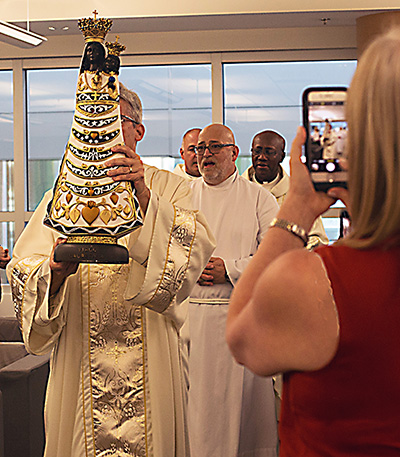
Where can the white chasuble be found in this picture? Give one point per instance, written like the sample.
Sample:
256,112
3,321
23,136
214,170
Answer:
116,384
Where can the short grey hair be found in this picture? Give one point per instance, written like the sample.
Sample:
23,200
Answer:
132,98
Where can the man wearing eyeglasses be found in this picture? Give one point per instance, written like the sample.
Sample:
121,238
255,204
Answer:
267,154
231,412
116,384
189,169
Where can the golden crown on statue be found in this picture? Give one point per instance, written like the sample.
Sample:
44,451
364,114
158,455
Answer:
94,29
115,48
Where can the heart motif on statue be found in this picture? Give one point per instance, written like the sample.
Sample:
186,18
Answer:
90,212
114,198
105,216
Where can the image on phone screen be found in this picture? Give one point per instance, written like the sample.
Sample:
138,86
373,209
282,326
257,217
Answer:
345,224
324,119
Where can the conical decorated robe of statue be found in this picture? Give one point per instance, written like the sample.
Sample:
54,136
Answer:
88,207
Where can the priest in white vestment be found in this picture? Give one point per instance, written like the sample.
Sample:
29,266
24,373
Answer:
189,169
116,385
231,412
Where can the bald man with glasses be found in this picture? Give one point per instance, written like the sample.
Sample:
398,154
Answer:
231,412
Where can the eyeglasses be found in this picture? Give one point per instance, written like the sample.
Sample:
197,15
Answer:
125,118
214,148
270,152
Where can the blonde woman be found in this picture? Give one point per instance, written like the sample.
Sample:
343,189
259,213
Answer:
330,319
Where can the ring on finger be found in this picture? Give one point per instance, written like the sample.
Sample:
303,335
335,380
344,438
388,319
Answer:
131,169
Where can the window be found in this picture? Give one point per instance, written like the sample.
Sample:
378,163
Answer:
51,97
175,98
7,240
7,202
6,142
267,96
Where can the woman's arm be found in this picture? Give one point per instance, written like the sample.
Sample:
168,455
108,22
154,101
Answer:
290,322
280,282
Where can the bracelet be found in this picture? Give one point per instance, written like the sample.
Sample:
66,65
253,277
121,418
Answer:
291,228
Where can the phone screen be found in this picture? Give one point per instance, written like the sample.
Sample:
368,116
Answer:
325,122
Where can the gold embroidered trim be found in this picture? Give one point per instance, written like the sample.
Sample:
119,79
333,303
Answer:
145,365
90,360
83,372
92,239
181,237
20,275
116,368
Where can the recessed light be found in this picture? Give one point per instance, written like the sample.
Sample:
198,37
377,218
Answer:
52,28
65,28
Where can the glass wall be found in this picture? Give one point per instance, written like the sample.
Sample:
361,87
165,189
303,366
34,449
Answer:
6,142
257,96
7,240
267,96
50,106
175,98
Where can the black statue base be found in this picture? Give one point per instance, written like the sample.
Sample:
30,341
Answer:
91,253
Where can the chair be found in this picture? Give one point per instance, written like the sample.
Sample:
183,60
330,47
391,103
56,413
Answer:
23,381
9,329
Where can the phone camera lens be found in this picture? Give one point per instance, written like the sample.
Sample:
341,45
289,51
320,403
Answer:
330,167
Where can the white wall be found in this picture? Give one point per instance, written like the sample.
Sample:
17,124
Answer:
16,10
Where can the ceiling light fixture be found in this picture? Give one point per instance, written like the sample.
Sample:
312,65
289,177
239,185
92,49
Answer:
17,36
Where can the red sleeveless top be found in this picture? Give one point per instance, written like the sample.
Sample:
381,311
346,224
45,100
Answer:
352,406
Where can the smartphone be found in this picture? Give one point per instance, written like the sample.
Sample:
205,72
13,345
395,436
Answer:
325,123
